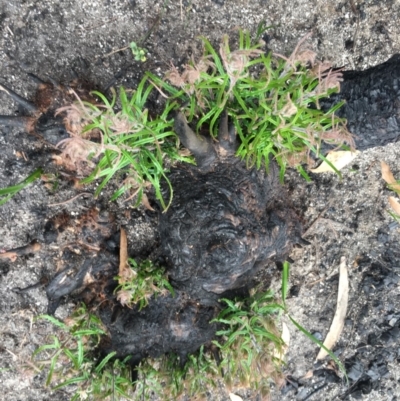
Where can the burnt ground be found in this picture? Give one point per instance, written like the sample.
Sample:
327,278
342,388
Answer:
345,217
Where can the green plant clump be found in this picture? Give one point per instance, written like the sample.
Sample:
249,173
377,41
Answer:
7,193
247,352
70,360
247,346
273,101
141,282
132,145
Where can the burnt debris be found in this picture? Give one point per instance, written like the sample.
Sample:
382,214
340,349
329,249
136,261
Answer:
372,104
225,224
40,117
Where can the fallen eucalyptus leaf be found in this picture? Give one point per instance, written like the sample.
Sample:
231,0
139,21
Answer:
235,397
395,205
387,175
341,310
285,336
339,159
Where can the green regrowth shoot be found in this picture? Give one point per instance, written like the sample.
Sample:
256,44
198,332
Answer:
138,52
126,143
69,359
146,280
7,193
273,101
249,350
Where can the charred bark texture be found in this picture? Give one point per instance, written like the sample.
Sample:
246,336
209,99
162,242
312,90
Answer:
226,222
372,107
223,226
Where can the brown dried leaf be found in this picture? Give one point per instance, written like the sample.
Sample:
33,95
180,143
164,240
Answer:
341,310
146,203
235,397
290,108
308,375
125,273
388,176
174,77
306,57
339,159
395,205
124,298
11,256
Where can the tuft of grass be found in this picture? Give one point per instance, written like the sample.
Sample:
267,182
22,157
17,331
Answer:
7,193
121,142
146,280
247,352
167,379
69,360
246,347
250,341
273,101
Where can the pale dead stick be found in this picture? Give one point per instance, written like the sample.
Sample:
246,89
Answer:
12,254
341,311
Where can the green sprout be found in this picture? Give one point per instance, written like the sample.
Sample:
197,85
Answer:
273,101
130,144
7,193
70,360
145,280
138,52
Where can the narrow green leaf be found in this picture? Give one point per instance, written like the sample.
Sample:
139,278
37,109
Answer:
319,343
285,280
104,361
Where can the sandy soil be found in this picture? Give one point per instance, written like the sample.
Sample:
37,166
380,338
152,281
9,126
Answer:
347,217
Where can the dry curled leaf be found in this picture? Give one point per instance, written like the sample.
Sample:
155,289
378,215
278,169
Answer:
235,397
387,175
124,297
395,205
285,336
146,203
308,375
341,310
125,273
339,159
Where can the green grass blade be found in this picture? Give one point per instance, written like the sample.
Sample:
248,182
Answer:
104,361
9,192
285,280
319,343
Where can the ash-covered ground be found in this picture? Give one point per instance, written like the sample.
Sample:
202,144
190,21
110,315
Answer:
342,217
